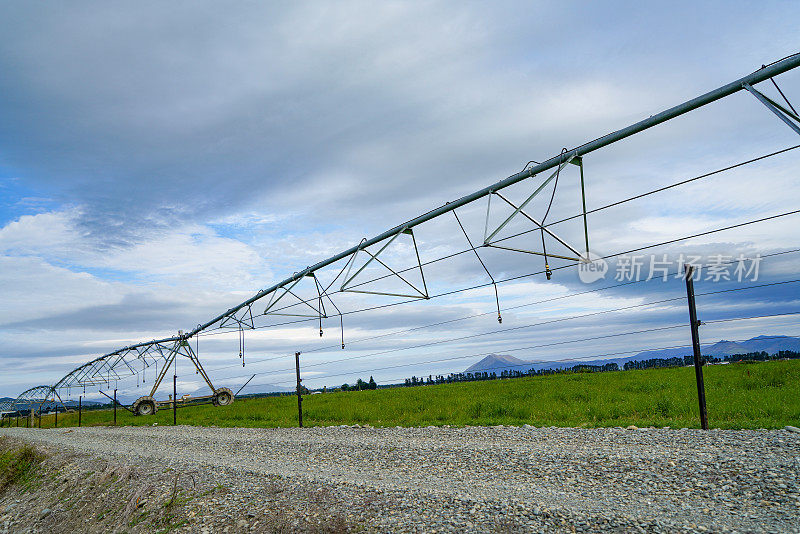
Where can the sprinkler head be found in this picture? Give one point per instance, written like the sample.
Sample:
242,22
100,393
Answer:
499,319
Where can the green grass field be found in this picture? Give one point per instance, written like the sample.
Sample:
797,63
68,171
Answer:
762,395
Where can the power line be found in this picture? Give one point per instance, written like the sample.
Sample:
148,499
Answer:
677,184
518,277
595,210
471,336
532,363
525,305
505,350
763,219
329,362
752,317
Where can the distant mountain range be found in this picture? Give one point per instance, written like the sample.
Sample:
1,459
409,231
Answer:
84,402
497,363
67,403
263,388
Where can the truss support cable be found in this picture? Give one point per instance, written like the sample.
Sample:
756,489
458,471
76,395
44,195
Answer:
547,270
534,303
241,345
335,307
494,284
320,305
666,187
783,95
513,278
583,203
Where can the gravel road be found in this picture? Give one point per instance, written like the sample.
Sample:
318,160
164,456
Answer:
482,478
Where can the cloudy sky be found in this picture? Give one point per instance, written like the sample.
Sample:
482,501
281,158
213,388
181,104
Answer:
160,163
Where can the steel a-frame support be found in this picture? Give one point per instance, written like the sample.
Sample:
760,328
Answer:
519,210
183,348
791,118
487,238
244,320
318,312
348,286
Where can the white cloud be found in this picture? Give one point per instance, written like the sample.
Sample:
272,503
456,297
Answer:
200,154
33,288
34,234
191,254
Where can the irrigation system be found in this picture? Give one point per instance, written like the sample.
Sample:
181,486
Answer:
284,299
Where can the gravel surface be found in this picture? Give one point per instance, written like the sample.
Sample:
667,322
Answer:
493,479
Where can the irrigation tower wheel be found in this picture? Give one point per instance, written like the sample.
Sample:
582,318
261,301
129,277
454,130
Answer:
222,397
144,406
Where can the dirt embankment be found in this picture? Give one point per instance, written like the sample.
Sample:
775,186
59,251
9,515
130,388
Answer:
68,492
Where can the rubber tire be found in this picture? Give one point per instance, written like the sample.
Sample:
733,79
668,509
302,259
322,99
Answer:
223,397
145,406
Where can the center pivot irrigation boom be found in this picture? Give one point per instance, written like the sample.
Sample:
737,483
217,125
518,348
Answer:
135,359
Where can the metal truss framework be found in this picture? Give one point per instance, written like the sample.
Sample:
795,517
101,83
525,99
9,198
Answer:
133,361
348,286
34,400
282,298
489,238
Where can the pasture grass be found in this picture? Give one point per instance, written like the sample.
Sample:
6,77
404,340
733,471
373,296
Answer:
744,395
18,464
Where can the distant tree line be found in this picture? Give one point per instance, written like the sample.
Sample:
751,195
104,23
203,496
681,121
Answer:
360,385
661,362
485,375
761,356
584,368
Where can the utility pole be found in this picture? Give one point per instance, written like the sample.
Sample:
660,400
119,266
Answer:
698,358
174,400
299,393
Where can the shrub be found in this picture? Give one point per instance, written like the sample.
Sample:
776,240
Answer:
17,465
